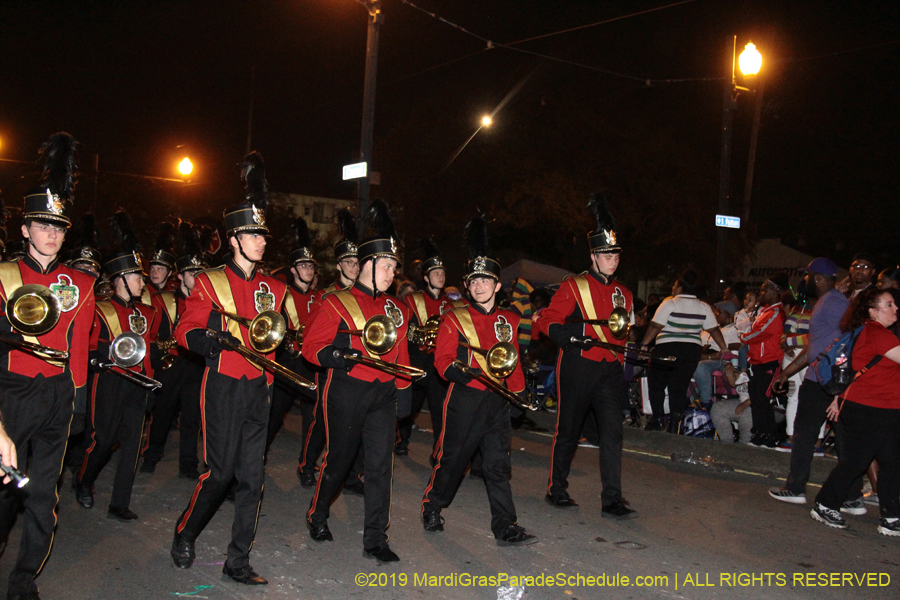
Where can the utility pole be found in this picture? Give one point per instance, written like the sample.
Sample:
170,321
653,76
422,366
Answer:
368,113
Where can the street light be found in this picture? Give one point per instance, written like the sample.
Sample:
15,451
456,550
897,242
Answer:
750,63
486,121
185,167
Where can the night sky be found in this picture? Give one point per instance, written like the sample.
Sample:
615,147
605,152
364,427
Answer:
133,81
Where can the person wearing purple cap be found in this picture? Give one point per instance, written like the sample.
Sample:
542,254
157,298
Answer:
824,326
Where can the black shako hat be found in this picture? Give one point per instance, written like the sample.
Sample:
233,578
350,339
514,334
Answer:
51,200
346,247
191,257
431,256
250,216
381,239
479,264
164,249
603,238
85,247
302,252
124,258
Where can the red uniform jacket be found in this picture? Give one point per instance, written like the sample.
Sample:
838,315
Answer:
499,325
140,320
568,305
303,305
252,295
75,291
328,332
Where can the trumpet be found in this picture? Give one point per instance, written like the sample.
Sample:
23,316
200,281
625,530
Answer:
379,336
618,322
425,335
127,350
34,310
266,331
261,361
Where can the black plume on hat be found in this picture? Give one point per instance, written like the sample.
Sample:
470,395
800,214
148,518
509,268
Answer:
165,236
379,222
60,170
124,237
428,249
84,233
347,225
302,238
477,237
598,206
253,173
188,239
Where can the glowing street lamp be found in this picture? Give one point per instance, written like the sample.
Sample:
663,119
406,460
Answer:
185,167
486,121
750,60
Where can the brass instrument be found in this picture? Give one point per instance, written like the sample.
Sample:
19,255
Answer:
618,322
501,359
261,361
379,336
266,331
621,348
167,360
34,310
293,339
127,350
425,335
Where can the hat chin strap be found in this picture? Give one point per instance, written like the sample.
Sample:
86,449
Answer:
241,249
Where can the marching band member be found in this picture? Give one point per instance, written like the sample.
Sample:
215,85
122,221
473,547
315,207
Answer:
589,376
117,405
162,262
236,394
300,286
424,305
358,401
179,370
346,255
85,256
476,417
38,394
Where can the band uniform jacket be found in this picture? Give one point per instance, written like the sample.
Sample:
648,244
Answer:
113,317
499,325
571,304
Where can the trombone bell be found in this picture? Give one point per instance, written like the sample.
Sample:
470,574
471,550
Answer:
502,359
379,335
618,323
128,349
33,309
266,330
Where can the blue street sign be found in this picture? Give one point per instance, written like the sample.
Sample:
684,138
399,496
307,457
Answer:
729,222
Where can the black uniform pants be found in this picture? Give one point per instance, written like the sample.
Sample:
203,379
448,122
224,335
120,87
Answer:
358,415
811,406
434,388
870,433
36,414
675,377
286,392
180,389
763,414
314,440
235,416
583,384
116,412
474,420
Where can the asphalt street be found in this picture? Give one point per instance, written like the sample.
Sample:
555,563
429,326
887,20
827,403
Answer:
700,534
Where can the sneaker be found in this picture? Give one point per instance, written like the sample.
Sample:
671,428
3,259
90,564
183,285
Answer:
889,527
829,516
817,451
742,378
783,447
871,498
584,443
786,495
854,507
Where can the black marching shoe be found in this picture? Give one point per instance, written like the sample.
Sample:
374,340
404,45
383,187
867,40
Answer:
182,552
560,500
618,510
400,450
515,535
189,473
245,575
148,466
122,514
433,521
383,554
357,487
674,423
320,533
84,494
306,479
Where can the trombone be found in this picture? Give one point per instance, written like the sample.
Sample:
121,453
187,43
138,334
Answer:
618,322
34,310
646,354
379,336
266,332
501,359
127,350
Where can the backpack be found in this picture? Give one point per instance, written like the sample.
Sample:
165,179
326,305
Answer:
833,367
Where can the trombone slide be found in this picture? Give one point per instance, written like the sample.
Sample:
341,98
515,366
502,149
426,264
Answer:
383,365
41,351
261,361
138,378
496,387
621,348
